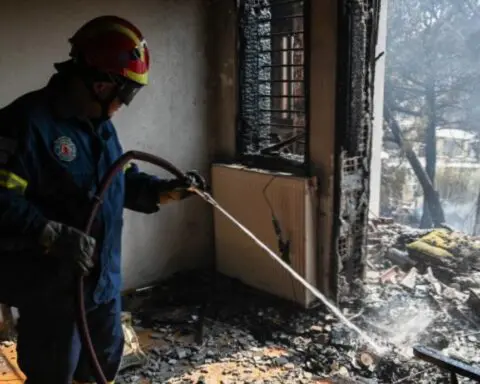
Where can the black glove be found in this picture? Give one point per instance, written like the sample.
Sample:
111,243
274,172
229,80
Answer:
195,180
70,245
178,189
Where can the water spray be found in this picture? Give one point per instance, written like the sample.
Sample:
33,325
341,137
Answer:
333,308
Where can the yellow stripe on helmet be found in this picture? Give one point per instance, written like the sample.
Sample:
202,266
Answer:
140,44
11,181
140,78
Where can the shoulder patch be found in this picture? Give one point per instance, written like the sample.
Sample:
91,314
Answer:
65,149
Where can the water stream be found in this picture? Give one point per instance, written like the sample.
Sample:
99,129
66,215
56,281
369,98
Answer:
333,308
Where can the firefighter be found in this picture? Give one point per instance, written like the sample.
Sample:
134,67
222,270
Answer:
56,143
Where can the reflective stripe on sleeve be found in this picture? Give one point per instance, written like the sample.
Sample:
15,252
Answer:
11,181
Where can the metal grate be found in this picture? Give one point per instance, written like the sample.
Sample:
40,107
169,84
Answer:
358,22
353,207
273,96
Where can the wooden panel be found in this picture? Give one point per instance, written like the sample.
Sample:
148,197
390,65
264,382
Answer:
248,195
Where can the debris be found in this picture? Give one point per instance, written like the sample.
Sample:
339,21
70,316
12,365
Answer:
366,360
433,281
391,275
452,365
474,300
430,303
155,335
414,375
410,279
250,337
132,353
399,257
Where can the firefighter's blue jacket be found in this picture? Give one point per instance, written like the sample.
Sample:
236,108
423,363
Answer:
51,165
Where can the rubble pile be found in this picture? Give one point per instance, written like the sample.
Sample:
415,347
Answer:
407,298
249,337
453,256
428,297
440,266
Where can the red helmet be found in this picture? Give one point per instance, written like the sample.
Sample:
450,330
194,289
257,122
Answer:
113,46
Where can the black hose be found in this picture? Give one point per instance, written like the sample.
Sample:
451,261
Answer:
116,167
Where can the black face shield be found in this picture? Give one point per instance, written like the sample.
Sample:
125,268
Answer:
127,90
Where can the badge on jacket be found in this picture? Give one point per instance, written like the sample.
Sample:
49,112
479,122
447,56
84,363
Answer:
65,149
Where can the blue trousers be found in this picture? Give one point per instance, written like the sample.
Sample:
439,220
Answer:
49,348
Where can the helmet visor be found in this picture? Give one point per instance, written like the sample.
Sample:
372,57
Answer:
127,91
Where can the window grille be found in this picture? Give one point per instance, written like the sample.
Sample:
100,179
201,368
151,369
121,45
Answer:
273,108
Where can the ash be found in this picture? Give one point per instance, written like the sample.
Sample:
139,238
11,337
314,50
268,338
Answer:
250,337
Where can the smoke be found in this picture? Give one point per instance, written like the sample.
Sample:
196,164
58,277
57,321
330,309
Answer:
409,326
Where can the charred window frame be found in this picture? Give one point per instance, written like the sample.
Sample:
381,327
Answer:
357,25
272,126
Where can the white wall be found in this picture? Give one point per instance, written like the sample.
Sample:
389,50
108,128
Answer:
167,119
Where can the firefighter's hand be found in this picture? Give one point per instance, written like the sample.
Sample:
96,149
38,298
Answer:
195,180
179,189
70,245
